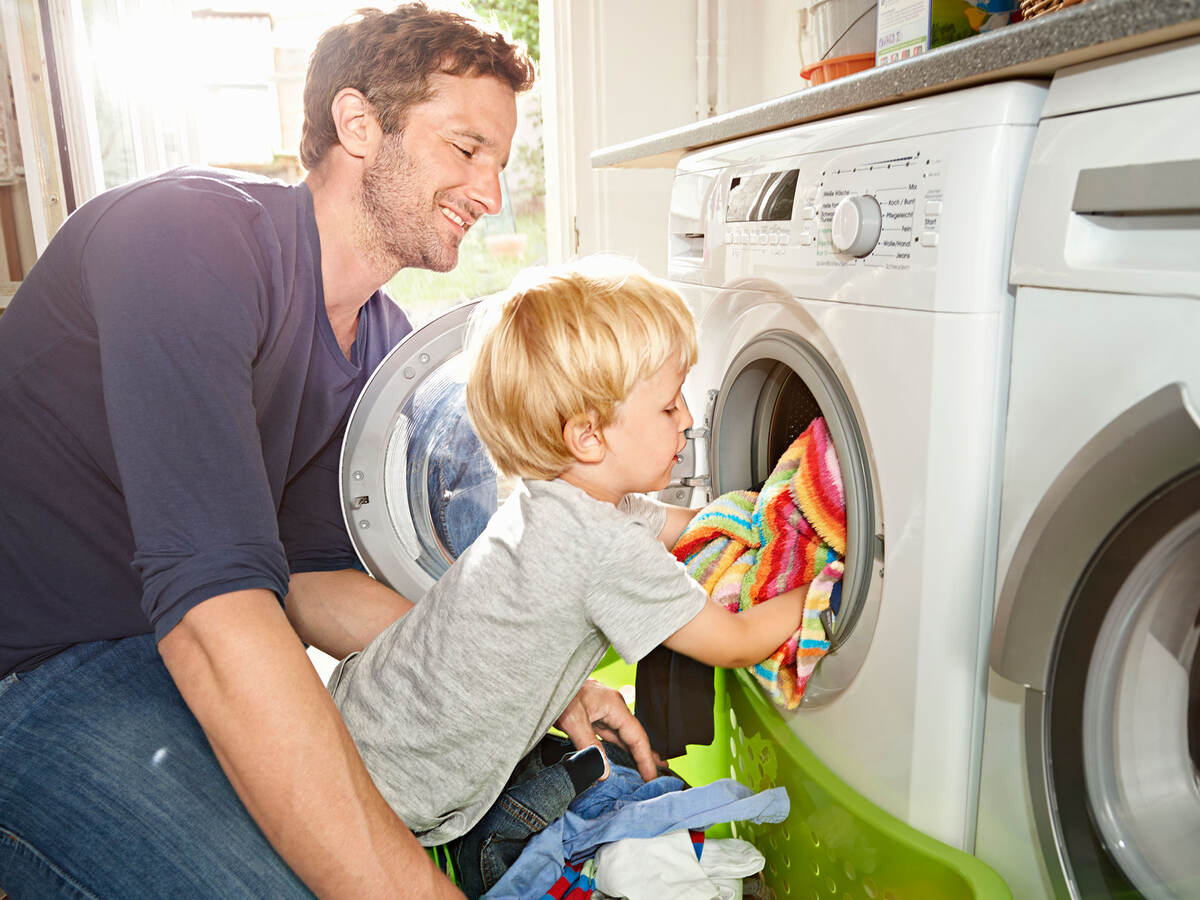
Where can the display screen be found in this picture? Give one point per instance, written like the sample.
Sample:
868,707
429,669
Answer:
762,197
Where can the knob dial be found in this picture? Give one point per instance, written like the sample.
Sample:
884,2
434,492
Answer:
856,225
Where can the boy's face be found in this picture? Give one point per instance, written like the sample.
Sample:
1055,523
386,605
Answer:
644,442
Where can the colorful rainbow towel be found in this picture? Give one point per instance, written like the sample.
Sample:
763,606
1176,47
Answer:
745,548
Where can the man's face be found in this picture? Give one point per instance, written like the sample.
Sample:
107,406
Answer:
429,184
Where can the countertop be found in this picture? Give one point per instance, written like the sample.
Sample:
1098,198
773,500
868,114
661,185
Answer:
1035,48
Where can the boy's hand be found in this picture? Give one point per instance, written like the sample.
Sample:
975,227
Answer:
600,712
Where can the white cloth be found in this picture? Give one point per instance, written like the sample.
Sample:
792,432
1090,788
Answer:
666,868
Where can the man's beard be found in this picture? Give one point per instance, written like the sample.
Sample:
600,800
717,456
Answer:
396,229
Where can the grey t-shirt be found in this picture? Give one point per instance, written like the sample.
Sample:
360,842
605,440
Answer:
444,703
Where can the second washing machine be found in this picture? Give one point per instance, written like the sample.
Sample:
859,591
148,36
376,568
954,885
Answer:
1091,772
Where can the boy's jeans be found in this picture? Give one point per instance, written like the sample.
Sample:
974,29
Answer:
539,791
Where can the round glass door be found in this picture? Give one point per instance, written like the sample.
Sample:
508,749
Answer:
772,391
1124,707
417,486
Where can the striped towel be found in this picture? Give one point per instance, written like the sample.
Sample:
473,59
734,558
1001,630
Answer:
745,548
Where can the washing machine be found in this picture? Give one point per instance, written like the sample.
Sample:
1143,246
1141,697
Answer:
1089,781
856,269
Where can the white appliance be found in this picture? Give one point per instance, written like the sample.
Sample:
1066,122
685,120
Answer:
1089,783
856,268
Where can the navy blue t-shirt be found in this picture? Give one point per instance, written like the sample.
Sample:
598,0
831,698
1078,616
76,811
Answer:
172,404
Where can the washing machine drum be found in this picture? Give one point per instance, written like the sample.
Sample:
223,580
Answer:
772,390
417,486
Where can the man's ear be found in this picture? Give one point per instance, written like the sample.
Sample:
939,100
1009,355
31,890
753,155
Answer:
583,438
357,127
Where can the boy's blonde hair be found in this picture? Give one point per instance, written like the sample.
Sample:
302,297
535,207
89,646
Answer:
562,342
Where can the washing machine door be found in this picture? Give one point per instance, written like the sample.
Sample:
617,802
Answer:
417,486
772,390
1122,714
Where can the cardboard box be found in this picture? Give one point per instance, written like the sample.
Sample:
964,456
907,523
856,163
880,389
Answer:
908,28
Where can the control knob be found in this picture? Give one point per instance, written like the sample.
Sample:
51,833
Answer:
856,225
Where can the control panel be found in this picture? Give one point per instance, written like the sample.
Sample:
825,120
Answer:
900,207
853,211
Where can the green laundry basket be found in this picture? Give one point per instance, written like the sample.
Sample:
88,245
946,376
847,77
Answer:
834,844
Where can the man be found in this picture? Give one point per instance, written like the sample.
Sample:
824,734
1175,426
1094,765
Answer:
175,377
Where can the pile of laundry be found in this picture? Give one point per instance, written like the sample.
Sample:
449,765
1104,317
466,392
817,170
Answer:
747,547
678,864
644,841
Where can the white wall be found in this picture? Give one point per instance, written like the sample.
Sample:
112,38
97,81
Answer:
619,70
616,70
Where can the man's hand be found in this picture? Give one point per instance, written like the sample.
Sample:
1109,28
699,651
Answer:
600,712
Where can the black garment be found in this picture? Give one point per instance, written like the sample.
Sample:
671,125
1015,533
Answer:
674,701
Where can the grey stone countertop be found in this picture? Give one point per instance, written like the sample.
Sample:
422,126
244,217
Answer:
1035,48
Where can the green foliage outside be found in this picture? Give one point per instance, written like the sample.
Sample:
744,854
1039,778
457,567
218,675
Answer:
424,295
518,17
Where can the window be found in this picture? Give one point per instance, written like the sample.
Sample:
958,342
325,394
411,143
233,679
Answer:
146,85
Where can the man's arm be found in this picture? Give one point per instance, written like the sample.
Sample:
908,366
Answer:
342,611
278,736
732,640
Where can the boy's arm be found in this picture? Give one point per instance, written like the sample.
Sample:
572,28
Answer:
678,518
733,640
598,711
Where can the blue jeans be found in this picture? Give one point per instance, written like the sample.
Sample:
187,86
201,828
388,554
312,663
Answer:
539,791
108,787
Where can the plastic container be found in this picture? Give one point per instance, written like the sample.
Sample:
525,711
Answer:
834,843
835,28
829,69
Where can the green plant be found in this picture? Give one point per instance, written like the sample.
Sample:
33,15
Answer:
518,17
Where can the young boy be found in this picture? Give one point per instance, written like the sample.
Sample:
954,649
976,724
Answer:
575,388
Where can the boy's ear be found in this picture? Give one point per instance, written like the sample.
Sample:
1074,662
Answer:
583,438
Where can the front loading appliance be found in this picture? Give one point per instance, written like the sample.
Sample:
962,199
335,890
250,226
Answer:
857,269
1092,752
854,268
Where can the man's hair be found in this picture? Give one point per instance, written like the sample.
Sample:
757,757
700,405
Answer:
562,342
388,57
